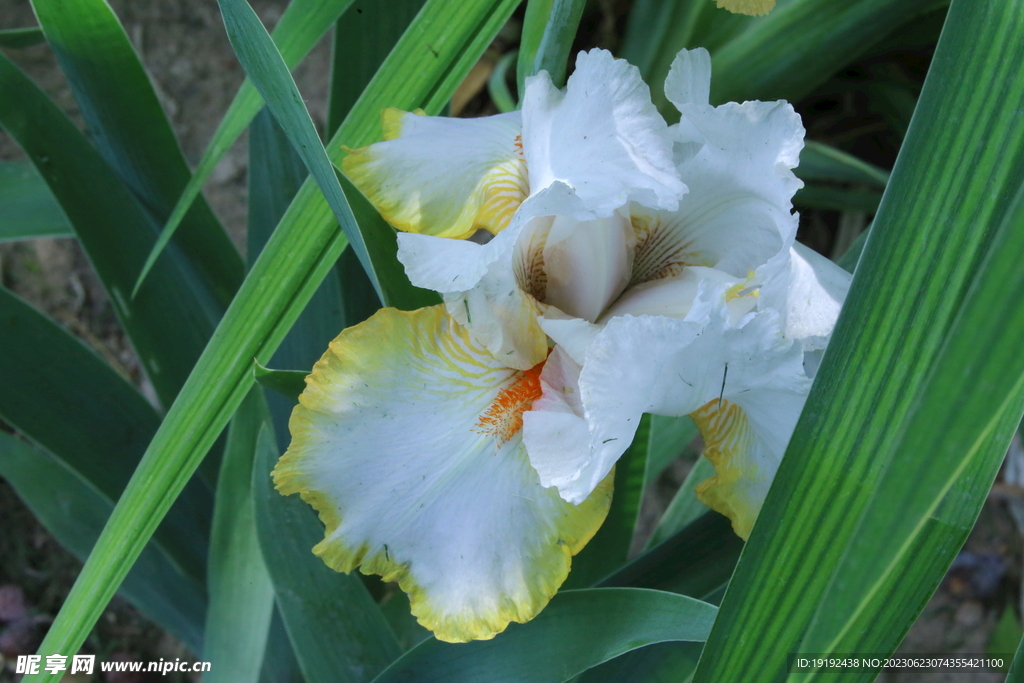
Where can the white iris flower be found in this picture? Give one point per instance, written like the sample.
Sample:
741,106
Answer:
466,450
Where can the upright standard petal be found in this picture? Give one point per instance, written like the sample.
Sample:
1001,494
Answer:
599,144
443,176
407,442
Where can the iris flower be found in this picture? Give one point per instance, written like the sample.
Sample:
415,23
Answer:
408,437
617,266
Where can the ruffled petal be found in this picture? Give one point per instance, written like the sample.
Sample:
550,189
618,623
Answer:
737,214
689,78
443,176
407,442
599,144
809,290
665,366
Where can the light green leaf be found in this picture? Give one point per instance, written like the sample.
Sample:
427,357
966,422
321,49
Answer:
338,633
577,630
497,84
241,595
74,512
548,33
897,353
301,26
269,73
27,207
300,253
287,383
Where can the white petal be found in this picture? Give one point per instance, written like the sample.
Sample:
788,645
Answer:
737,214
443,176
689,78
407,442
599,144
667,367
809,292
587,264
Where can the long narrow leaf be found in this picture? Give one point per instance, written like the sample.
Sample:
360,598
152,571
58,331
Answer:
304,247
21,37
169,322
932,230
269,73
27,207
104,423
241,594
548,32
301,26
572,634
976,391
74,512
130,129
685,507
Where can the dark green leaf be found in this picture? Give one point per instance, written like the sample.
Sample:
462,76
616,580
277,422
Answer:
74,512
823,162
169,322
27,207
103,426
685,507
132,133
287,383
21,37
576,631
670,438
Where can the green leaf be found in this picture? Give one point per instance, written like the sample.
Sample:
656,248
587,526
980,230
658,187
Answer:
300,28
304,247
840,199
897,349
696,561
819,161
269,73
497,84
609,548
74,512
169,322
27,207
363,37
287,383
241,594
104,423
802,43
685,507
124,117
21,37
549,29
670,438
577,630
338,633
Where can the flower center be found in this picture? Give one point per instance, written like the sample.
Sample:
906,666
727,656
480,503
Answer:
504,418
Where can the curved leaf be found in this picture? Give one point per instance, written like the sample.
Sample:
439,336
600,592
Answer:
27,207
576,631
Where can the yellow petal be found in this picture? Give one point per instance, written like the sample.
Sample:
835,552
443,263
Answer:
754,8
